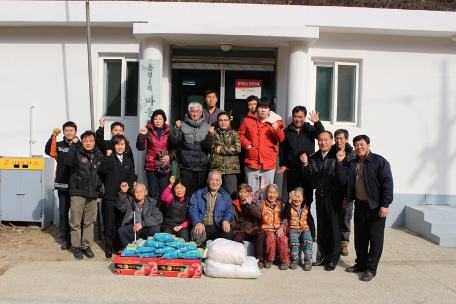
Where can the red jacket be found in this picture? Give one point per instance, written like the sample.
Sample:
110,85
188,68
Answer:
151,142
263,139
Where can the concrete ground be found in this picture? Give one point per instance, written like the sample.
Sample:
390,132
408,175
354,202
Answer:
412,270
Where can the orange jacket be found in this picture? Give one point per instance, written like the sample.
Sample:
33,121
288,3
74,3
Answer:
270,216
297,222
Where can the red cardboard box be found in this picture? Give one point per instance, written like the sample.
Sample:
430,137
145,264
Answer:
179,268
135,265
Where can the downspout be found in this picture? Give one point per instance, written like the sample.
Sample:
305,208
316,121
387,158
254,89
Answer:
89,55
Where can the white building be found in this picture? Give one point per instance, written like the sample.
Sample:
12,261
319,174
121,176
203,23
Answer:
390,74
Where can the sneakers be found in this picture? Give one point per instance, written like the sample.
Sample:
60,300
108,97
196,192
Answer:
284,266
267,264
294,266
344,250
78,254
88,253
308,267
260,265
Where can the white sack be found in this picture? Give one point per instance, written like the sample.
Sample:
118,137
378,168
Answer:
248,270
226,251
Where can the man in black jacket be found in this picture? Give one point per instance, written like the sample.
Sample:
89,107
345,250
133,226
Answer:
299,138
321,167
370,183
142,216
84,160
117,128
59,151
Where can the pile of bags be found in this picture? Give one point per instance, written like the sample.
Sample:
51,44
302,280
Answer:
228,259
163,245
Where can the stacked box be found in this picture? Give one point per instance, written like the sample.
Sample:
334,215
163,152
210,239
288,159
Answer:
135,265
179,268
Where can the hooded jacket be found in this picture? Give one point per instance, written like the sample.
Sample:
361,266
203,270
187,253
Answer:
190,137
151,215
263,140
153,144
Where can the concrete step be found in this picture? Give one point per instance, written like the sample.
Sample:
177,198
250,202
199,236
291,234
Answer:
435,222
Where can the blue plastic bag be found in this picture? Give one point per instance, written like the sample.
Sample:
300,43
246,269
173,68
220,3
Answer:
188,247
145,249
165,250
130,253
164,237
176,244
172,255
149,255
192,255
153,243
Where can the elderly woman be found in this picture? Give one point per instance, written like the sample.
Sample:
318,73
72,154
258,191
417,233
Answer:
194,157
260,133
155,138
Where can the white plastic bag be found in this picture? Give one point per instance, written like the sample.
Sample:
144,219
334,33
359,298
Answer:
248,270
226,251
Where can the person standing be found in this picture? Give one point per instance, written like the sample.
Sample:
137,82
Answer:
156,139
251,103
117,128
85,184
211,111
59,151
260,134
341,144
225,146
370,183
300,138
194,157
321,168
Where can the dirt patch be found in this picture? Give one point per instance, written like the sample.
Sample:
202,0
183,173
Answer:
19,244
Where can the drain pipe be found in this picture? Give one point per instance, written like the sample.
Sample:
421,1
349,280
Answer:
89,55
31,141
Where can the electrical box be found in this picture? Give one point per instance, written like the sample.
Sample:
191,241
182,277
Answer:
27,190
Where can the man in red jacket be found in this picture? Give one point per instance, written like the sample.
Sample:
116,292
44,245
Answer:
260,133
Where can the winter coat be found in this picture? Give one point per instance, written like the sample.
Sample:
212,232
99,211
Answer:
84,177
247,222
263,140
294,220
271,214
296,144
105,145
198,206
190,137
59,151
151,142
377,176
323,173
176,213
227,161
151,215
114,173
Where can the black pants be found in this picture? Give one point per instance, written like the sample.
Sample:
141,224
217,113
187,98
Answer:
347,214
183,233
127,235
256,239
64,218
211,233
328,226
296,179
229,184
157,183
195,179
112,219
369,236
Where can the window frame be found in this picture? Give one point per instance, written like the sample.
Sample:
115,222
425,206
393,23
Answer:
334,102
123,85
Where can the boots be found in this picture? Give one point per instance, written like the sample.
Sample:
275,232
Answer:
344,246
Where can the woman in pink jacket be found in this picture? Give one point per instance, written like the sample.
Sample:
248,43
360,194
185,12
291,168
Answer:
155,138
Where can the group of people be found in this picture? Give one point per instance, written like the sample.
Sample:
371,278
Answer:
211,199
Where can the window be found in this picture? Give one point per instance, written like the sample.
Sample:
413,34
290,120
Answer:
120,87
336,91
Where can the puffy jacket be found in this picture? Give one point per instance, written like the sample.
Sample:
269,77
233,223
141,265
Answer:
105,145
190,137
227,161
263,139
198,206
377,176
176,212
247,222
114,173
323,173
59,151
294,220
296,144
84,178
151,215
151,142
271,214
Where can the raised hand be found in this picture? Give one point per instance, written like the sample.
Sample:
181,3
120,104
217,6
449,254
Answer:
102,122
143,131
75,140
291,196
124,187
178,123
108,152
263,183
249,198
56,132
304,159
211,130
314,116
340,156
172,180
275,126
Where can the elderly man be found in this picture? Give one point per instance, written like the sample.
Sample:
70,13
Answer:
194,157
370,183
142,216
321,168
211,211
